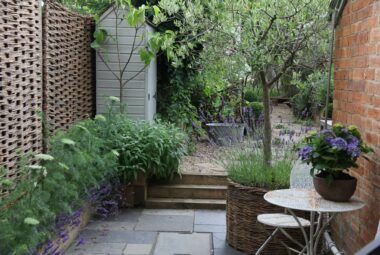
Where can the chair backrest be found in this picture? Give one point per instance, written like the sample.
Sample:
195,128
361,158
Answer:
300,176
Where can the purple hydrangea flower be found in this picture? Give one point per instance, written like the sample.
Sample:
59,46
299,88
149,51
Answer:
353,140
353,150
339,143
305,152
328,139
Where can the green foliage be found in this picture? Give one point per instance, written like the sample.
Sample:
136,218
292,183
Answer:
246,167
257,108
57,185
89,153
155,149
311,96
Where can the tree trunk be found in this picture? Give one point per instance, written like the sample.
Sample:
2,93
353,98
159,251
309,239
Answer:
267,122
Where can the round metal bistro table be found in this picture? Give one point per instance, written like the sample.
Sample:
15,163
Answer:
309,200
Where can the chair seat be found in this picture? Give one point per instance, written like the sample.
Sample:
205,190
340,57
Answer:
281,220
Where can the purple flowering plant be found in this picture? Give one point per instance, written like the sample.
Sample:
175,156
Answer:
331,151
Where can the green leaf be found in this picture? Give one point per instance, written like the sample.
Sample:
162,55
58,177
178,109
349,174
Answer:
100,36
114,152
31,221
45,157
95,45
114,99
146,56
63,165
67,141
35,167
6,183
156,9
100,117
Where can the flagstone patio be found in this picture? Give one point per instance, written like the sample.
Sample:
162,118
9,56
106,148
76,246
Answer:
156,232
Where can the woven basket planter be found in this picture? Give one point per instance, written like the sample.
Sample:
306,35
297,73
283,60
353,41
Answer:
244,233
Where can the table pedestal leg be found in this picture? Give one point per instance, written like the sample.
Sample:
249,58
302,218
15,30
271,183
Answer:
312,240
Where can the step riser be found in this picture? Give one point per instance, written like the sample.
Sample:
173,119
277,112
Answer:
163,205
166,192
200,180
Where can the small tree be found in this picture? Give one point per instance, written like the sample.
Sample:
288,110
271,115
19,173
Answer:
272,37
135,17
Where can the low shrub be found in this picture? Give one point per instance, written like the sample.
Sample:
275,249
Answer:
258,108
247,167
81,163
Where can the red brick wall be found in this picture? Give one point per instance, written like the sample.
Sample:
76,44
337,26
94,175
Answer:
357,101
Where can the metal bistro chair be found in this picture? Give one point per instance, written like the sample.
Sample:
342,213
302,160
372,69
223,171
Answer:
282,221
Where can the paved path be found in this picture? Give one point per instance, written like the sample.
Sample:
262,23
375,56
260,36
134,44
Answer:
157,232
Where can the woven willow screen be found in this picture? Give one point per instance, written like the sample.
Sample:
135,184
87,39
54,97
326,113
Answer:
68,70
20,81
46,63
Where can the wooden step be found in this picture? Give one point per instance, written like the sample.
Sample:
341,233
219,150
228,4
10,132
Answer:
196,179
188,191
182,203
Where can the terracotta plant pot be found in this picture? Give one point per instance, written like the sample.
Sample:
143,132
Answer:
340,189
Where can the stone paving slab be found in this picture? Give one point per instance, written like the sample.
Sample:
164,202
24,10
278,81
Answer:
126,215
210,217
138,249
206,228
111,225
97,248
133,231
167,223
128,237
179,243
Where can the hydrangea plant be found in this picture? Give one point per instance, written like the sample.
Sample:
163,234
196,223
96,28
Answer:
331,151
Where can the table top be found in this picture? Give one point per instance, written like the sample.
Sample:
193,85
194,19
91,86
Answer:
309,200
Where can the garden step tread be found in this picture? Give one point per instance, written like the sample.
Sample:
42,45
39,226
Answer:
190,186
189,191
185,203
197,179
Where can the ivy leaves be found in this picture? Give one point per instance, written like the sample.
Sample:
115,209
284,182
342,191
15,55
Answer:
31,221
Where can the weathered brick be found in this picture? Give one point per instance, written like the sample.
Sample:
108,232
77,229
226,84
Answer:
357,101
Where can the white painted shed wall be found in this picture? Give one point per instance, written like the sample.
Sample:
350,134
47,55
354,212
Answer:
139,93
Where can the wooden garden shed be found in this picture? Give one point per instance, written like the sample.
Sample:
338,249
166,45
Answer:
123,43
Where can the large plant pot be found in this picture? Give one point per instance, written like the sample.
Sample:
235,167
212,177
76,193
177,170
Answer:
244,232
226,133
339,190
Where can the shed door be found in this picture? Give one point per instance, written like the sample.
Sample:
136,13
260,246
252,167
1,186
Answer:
151,90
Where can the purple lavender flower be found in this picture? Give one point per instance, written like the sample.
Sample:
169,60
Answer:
305,152
80,241
339,143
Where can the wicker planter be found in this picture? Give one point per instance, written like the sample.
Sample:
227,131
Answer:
244,233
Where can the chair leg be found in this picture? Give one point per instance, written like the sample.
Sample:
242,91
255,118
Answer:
267,241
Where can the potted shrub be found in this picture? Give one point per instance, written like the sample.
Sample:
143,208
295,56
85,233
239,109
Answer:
331,153
224,127
249,180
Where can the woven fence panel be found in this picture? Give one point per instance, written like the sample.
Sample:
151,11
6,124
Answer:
68,66
20,81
